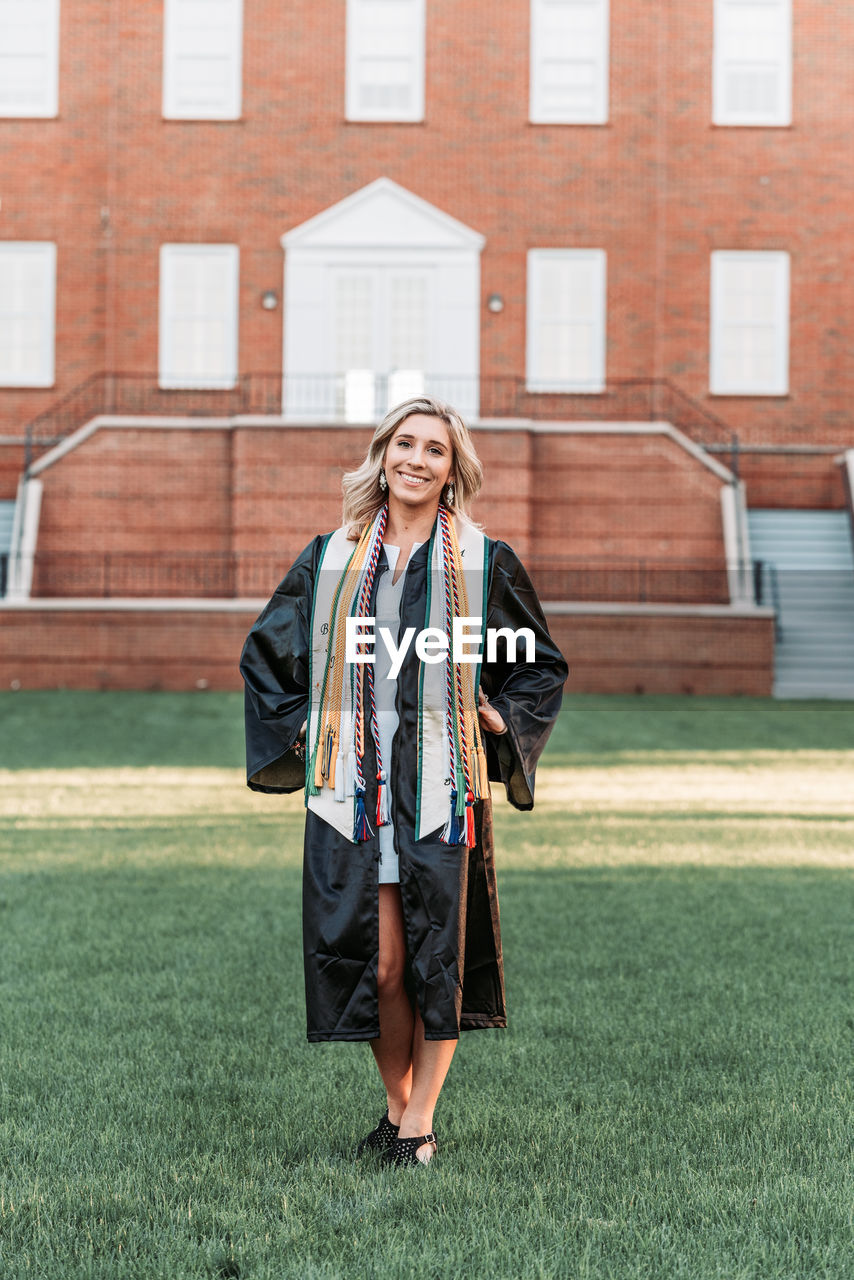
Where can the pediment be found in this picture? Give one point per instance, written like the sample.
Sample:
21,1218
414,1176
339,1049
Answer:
382,215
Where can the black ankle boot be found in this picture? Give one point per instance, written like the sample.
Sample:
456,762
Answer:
404,1150
381,1138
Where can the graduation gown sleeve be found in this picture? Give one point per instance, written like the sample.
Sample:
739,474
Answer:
275,669
527,695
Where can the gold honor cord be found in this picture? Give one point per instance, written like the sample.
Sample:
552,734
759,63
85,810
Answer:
328,725
471,723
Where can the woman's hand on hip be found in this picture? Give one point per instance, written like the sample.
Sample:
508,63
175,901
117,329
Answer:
490,720
299,745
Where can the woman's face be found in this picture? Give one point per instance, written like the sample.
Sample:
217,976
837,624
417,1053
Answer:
419,462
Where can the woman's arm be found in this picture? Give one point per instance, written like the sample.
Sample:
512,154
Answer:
275,668
525,696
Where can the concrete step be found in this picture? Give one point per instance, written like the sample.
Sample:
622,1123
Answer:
793,655
820,626
802,539
823,670
818,623
817,617
812,555
808,594
839,638
840,692
7,515
815,658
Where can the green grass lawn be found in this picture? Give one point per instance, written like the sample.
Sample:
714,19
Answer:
673,1097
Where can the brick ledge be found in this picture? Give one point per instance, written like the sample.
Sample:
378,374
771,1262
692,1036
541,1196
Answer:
207,604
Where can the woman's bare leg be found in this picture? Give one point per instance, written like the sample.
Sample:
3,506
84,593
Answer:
430,1062
413,1069
393,1048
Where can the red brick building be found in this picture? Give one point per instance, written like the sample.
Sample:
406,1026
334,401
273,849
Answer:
616,235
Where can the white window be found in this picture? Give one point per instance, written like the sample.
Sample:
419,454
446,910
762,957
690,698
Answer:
202,59
752,79
569,61
29,57
27,324
749,323
385,60
566,320
198,315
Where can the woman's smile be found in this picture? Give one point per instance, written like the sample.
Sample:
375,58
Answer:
419,460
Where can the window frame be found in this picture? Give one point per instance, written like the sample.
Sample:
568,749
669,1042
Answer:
534,382
781,118
47,250
536,113
352,111
169,108
50,107
779,386
230,253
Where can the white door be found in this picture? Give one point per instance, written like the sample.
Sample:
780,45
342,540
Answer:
380,323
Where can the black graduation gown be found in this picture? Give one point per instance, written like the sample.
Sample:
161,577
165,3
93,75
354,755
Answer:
449,896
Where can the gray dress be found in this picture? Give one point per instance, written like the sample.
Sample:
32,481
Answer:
387,613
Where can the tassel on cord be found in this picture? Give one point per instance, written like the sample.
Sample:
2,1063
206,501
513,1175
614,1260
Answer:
362,827
383,814
311,759
328,749
340,780
351,772
482,773
474,778
451,834
460,793
312,789
319,758
469,831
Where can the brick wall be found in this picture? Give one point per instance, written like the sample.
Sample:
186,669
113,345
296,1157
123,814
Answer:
761,188
637,653
125,497
808,481
56,185
658,187
182,649
124,509
11,467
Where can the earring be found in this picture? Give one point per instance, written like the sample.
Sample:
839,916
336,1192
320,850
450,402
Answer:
449,495
383,481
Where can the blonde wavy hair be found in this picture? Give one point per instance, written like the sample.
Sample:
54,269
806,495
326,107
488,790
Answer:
363,496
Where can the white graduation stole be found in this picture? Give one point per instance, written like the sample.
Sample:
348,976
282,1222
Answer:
336,805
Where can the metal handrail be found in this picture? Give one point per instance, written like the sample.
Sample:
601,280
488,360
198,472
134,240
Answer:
229,574
761,568
498,396
847,462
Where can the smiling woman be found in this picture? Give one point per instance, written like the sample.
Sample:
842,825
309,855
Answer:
401,933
